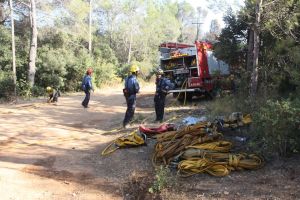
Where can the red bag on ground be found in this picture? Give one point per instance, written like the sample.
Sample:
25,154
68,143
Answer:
161,129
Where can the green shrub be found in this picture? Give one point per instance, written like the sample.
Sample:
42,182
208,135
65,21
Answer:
5,49
163,178
51,67
37,91
104,73
277,125
6,85
225,105
23,88
123,70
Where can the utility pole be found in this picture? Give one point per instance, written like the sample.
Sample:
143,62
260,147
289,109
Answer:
13,47
90,28
198,27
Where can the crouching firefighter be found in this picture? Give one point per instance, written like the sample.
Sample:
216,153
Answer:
131,88
52,95
163,85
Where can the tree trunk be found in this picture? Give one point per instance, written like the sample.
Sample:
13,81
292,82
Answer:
254,75
129,50
90,28
33,44
13,47
250,50
2,17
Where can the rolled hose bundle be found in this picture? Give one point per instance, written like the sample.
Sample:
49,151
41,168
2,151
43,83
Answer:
201,165
166,151
219,146
216,164
200,128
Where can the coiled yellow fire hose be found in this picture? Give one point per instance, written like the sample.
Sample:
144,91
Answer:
221,166
166,151
200,165
219,146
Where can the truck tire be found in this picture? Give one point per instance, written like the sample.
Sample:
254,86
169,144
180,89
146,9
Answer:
182,96
209,95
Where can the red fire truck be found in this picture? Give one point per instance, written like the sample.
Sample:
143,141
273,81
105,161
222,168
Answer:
189,67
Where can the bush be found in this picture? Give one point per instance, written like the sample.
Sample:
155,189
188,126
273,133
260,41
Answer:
23,88
123,70
278,124
37,91
104,73
223,106
163,179
51,67
6,85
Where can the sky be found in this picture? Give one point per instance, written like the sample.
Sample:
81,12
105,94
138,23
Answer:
235,4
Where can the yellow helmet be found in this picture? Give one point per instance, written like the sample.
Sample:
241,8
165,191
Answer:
134,68
48,89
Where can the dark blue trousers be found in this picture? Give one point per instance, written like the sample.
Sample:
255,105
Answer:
86,100
159,101
131,103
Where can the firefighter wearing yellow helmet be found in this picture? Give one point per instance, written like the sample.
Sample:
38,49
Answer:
52,94
130,90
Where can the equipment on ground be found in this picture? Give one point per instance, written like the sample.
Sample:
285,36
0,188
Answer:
199,149
131,140
161,129
193,149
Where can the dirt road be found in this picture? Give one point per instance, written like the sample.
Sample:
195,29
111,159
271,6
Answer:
53,152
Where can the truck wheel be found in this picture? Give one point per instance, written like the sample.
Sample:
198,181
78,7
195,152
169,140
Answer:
182,96
175,94
209,95
189,96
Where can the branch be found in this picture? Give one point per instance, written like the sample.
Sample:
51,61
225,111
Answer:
294,36
25,4
20,12
269,3
3,20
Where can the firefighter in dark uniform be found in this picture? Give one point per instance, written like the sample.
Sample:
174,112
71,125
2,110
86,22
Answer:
53,95
163,85
87,87
131,88
232,83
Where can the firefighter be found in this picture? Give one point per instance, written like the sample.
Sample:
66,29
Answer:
87,87
53,95
232,83
163,85
131,88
